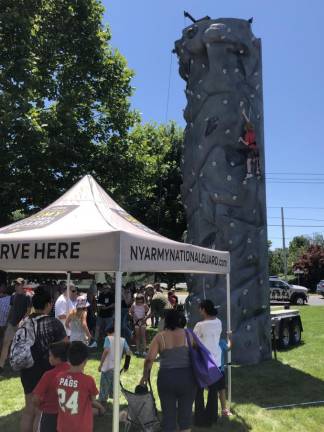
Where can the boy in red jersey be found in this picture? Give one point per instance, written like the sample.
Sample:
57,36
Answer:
76,393
44,394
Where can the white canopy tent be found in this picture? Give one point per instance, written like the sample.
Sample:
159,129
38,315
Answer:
85,230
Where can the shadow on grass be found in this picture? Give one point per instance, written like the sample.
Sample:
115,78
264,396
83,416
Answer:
273,383
268,384
10,422
8,374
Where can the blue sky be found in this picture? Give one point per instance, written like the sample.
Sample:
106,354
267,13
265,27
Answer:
292,34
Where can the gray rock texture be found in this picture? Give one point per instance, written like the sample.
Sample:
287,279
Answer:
220,60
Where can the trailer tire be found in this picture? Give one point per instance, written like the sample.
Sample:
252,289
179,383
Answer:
284,336
295,332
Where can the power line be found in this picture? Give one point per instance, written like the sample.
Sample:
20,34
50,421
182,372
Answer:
296,207
297,226
302,219
295,182
294,173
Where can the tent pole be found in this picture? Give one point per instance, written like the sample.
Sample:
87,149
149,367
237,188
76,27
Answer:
68,282
118,287
229,334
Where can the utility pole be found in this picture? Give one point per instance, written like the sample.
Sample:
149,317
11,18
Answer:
284,242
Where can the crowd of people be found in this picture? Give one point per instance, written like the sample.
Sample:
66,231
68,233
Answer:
67,323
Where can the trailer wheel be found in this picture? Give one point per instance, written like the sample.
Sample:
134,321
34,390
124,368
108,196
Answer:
295,332
284,336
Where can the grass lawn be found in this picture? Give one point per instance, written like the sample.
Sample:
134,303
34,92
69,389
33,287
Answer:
296,377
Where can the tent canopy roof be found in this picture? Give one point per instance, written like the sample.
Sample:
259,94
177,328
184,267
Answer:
86,230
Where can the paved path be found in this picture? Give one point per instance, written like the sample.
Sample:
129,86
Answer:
316,300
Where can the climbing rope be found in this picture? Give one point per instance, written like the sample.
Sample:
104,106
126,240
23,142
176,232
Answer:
168,92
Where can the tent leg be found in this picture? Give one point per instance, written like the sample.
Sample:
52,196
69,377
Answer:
118,288
229,334
68,282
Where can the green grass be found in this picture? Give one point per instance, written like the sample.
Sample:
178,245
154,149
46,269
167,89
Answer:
297,376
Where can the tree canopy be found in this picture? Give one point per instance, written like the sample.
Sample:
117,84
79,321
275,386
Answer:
311,262
64,102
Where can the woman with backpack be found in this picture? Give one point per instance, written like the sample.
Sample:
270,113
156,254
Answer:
30,351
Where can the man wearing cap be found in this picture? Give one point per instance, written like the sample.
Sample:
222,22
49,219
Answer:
64,305
20,306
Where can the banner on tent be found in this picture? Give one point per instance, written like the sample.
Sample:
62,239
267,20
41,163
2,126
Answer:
155,256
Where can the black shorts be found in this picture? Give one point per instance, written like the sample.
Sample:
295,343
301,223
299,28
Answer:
48,422
221,384
31,376
253,153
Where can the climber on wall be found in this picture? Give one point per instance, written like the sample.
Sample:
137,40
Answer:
249,140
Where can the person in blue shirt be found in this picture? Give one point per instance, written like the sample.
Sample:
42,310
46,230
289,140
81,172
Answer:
224,346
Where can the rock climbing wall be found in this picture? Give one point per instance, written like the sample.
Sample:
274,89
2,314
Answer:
220,60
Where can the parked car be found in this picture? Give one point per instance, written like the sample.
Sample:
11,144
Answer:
320,288
281,291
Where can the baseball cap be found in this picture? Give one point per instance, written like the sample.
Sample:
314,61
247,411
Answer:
19,280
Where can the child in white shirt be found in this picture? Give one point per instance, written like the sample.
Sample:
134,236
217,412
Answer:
106,366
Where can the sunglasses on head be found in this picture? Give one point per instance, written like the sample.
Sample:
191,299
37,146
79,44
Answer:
74,291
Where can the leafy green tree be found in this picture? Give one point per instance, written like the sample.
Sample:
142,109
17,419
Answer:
64,102
317,239
276,262
297,247
153,187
